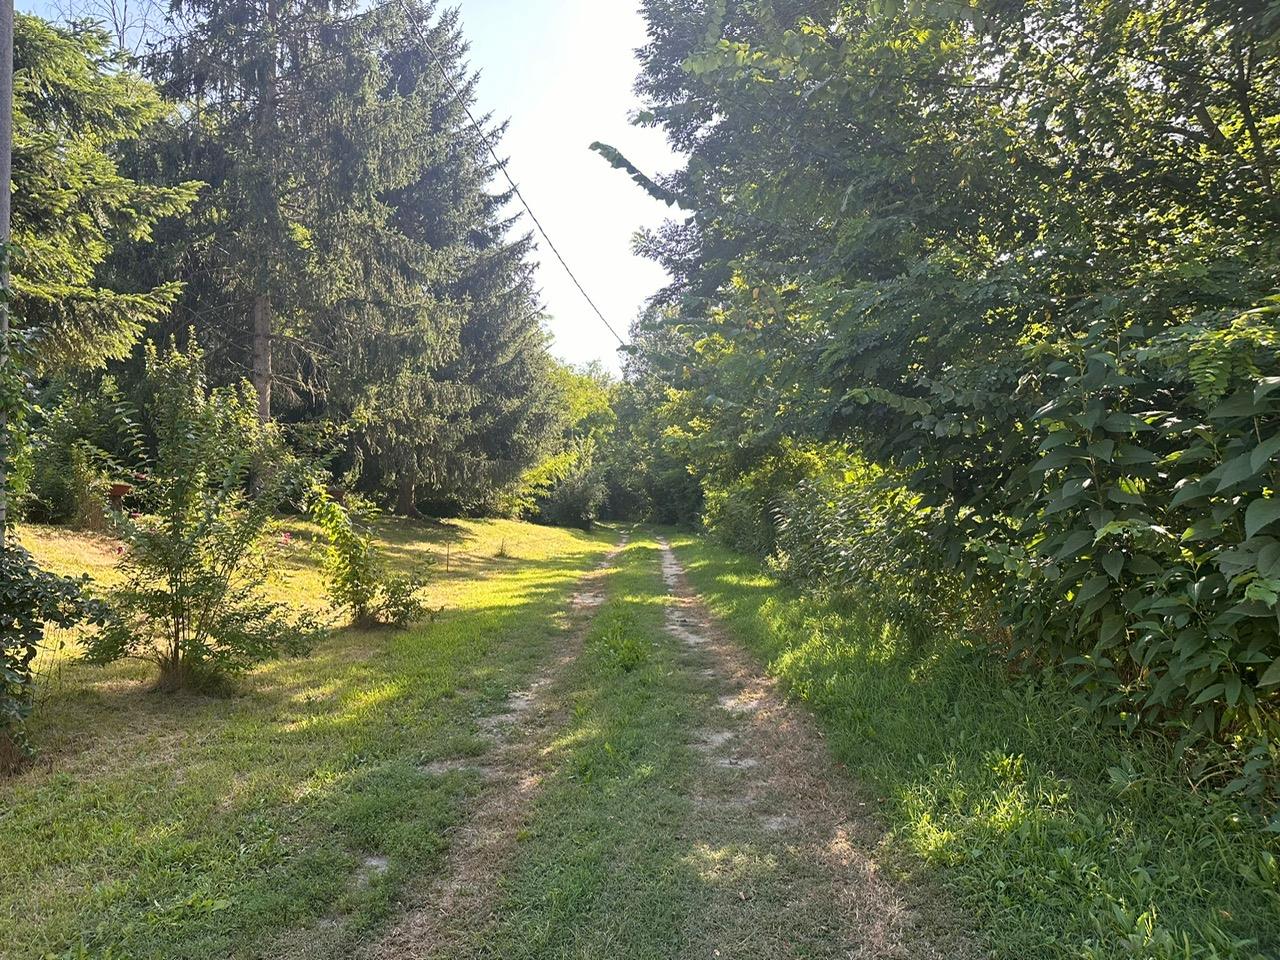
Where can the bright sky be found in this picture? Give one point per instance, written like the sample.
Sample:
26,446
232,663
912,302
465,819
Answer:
561,71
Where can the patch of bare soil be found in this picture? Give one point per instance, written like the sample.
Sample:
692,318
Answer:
781,836
451,911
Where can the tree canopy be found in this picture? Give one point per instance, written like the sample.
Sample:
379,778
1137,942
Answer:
76,111
1020,254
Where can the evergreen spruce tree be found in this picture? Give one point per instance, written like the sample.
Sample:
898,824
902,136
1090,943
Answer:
504,363
349,254
285,118
444,370
77,108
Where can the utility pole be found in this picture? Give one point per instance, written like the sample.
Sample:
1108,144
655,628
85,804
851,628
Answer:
6,176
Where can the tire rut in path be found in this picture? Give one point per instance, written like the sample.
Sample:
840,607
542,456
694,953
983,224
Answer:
458,904
783,840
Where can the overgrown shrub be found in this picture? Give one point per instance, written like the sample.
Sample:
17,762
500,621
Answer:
1148,559
744,512
356,573
1137,545
30,598
84,438
576,495
194,564
855,527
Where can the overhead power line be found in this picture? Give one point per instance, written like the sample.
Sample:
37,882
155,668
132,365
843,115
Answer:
502,166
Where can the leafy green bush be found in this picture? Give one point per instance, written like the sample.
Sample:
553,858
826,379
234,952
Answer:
355,572
578,492
1149,557
84,438
1135,545
744,512
856,528
194,565
31,598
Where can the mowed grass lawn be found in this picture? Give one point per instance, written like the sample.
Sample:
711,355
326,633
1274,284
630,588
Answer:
281,819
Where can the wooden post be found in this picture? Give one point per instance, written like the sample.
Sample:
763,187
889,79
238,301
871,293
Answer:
262,373
6,174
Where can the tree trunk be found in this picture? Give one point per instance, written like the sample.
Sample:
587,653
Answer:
6,169
407,496
262,355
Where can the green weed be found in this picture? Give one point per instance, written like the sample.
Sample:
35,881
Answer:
621,639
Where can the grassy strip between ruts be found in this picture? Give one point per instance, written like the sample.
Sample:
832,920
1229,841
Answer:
601,870
1063,840
191,827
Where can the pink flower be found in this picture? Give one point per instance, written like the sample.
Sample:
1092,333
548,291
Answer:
286,538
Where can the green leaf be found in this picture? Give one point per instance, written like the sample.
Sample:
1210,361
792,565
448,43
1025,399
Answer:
1120,495
1236,470
1056,460
1263,453
1210,692
1112,627
1265,386
1190,490
1268,558
1113,563
1233,687
1056,439
1092,587
1240,405
1131,454
1272,676
1075,543
1261,513
1077,486
1145,566
1123,423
